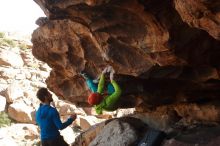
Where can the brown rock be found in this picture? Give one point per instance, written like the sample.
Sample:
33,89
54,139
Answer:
84,124
206,113
13,92
165,54
201,14
173,142
10,58
132,36
20,112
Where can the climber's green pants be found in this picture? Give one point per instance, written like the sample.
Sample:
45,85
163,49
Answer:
109,101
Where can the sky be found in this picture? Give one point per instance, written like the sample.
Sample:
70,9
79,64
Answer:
19,15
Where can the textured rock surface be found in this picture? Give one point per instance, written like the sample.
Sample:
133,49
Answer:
201,14
201,137
103,134
121,131
14,60
18,102
115,133
131,36
19,135
165,53
21,113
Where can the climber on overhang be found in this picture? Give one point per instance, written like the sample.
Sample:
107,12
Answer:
98,98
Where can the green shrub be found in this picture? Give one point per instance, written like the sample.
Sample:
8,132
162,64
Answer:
4,119
23,46
34,65
4,41
10,42
2,34
7,42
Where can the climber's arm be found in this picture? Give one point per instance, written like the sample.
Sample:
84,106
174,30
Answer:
109,101
101,84
99,107
92,86
89,82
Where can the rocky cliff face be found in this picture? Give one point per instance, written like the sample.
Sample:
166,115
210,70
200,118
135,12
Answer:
21,75
165,53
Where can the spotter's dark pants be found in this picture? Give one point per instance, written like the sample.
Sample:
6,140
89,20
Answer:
59,141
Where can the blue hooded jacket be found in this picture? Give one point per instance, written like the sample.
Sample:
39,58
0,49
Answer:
48,119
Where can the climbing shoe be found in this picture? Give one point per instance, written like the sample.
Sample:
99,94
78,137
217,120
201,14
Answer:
84,75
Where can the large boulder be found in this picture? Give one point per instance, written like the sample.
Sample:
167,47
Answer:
121,131
130,131
200,14
138,39
115,133
10,58
20,112
13,92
